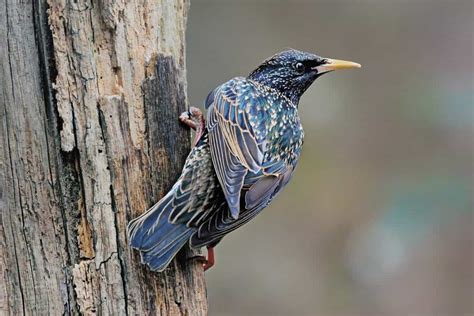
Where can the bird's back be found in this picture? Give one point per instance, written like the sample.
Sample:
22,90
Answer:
276,128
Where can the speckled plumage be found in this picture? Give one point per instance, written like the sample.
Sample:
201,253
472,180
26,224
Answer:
246,155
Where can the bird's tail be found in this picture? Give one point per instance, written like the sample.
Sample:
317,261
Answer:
157,239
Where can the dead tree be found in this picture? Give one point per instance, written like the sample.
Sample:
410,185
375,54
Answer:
90,97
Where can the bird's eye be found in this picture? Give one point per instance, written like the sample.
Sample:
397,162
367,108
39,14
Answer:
299,67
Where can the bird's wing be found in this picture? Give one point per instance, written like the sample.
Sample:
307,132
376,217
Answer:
219,224
197,192
236,136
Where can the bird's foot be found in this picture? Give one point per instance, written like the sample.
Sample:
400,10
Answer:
189,117
207,262
195,120
211,260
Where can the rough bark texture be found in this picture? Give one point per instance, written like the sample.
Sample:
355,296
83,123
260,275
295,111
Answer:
90,97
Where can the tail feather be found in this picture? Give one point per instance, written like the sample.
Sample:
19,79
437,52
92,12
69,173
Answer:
159,258
155,237
141,230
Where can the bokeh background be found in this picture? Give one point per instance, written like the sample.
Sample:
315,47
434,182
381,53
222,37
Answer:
378,219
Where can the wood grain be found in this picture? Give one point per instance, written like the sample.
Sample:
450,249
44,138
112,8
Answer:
90,98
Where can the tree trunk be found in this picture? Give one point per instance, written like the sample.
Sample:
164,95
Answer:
90,97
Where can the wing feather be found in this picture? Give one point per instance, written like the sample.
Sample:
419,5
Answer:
257,197
235,148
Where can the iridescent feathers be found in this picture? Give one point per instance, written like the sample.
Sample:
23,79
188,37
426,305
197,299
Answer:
244,158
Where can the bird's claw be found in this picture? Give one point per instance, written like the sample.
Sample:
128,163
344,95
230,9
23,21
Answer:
207,262
194,118
186,119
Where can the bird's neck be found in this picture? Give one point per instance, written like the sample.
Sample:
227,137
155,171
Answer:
278,86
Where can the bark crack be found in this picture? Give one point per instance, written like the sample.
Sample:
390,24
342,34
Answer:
103,131
9,50
27,243
119,252
48,72
103,262
12,170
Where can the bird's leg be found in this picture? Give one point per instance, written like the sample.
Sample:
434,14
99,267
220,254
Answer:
211,260
195,120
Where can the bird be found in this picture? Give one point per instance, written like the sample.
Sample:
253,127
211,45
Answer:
245,151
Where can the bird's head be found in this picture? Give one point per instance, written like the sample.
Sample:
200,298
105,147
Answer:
291,72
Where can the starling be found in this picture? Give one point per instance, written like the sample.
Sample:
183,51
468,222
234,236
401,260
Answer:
244,154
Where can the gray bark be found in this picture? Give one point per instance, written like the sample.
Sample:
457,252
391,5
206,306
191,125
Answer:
89,104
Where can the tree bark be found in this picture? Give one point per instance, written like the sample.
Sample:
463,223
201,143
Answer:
90,97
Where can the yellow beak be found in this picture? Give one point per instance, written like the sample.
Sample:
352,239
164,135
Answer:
335,64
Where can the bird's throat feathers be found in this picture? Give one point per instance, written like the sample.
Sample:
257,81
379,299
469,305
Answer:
291,89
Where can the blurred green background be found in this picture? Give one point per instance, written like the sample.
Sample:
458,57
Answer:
378,219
